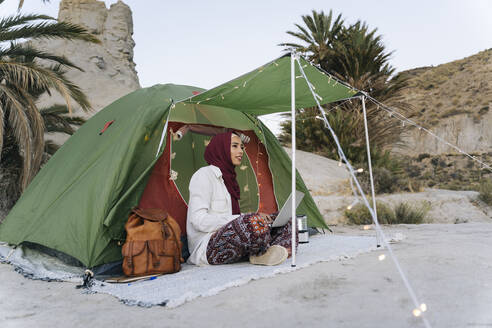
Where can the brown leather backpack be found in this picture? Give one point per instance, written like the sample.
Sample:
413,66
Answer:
152,243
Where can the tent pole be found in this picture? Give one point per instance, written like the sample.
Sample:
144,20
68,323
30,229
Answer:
164,130
363,99
293,135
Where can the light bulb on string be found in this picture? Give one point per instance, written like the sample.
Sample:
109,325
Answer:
360,170
403,123
367,227
381,257
417,312
352,205
423,307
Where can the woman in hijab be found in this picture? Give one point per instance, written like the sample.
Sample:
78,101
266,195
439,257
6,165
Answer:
217,232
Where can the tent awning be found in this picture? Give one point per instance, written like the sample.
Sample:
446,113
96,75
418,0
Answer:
266,89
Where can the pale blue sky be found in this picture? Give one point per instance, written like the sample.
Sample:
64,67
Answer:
206,43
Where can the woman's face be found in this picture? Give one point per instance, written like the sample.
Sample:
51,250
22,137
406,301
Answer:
236,150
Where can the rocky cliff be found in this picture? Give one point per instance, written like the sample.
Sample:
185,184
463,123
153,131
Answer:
109,70
454,101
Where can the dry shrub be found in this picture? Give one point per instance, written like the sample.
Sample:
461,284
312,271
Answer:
485,190
403,213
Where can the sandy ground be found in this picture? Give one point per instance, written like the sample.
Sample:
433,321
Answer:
449,266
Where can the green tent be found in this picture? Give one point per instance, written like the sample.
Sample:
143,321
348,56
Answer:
80,200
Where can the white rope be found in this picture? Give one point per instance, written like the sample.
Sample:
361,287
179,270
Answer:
236,87
404,119
378,227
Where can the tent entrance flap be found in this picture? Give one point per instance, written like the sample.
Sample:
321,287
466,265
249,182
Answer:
168,184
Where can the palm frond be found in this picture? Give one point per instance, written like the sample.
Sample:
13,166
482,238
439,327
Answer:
28,53
55,121
19,122
36,125
48,30
20,19
50,147
28,75
1,129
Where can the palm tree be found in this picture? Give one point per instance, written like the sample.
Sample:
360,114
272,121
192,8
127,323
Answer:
320,37
22,80
356,55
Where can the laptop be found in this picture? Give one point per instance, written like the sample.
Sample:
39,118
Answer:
285,214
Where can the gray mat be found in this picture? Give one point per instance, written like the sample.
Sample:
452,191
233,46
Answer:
192,281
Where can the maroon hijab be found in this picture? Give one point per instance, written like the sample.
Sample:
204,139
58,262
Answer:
218,153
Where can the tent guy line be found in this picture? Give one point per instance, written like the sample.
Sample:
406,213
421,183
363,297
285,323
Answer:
403,119
418,306
394,114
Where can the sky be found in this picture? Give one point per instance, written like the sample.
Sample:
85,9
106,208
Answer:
206,43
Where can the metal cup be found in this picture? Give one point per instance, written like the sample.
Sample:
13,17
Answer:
302,229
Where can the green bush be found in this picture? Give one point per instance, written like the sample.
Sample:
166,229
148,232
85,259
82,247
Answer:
486,192
359,214
402,213
407,214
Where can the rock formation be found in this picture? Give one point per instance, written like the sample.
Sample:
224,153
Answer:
454,101
109,70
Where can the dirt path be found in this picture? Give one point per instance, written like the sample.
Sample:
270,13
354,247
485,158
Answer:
449,266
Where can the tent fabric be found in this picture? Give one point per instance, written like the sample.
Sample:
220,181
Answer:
266,90
80,200
185,157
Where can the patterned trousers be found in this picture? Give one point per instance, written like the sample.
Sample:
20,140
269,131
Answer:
247,235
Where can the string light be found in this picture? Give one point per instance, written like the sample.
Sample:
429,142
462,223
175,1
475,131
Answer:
373,215
423,307
402,118
367,227
417,312
381,257
352,205
360,170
